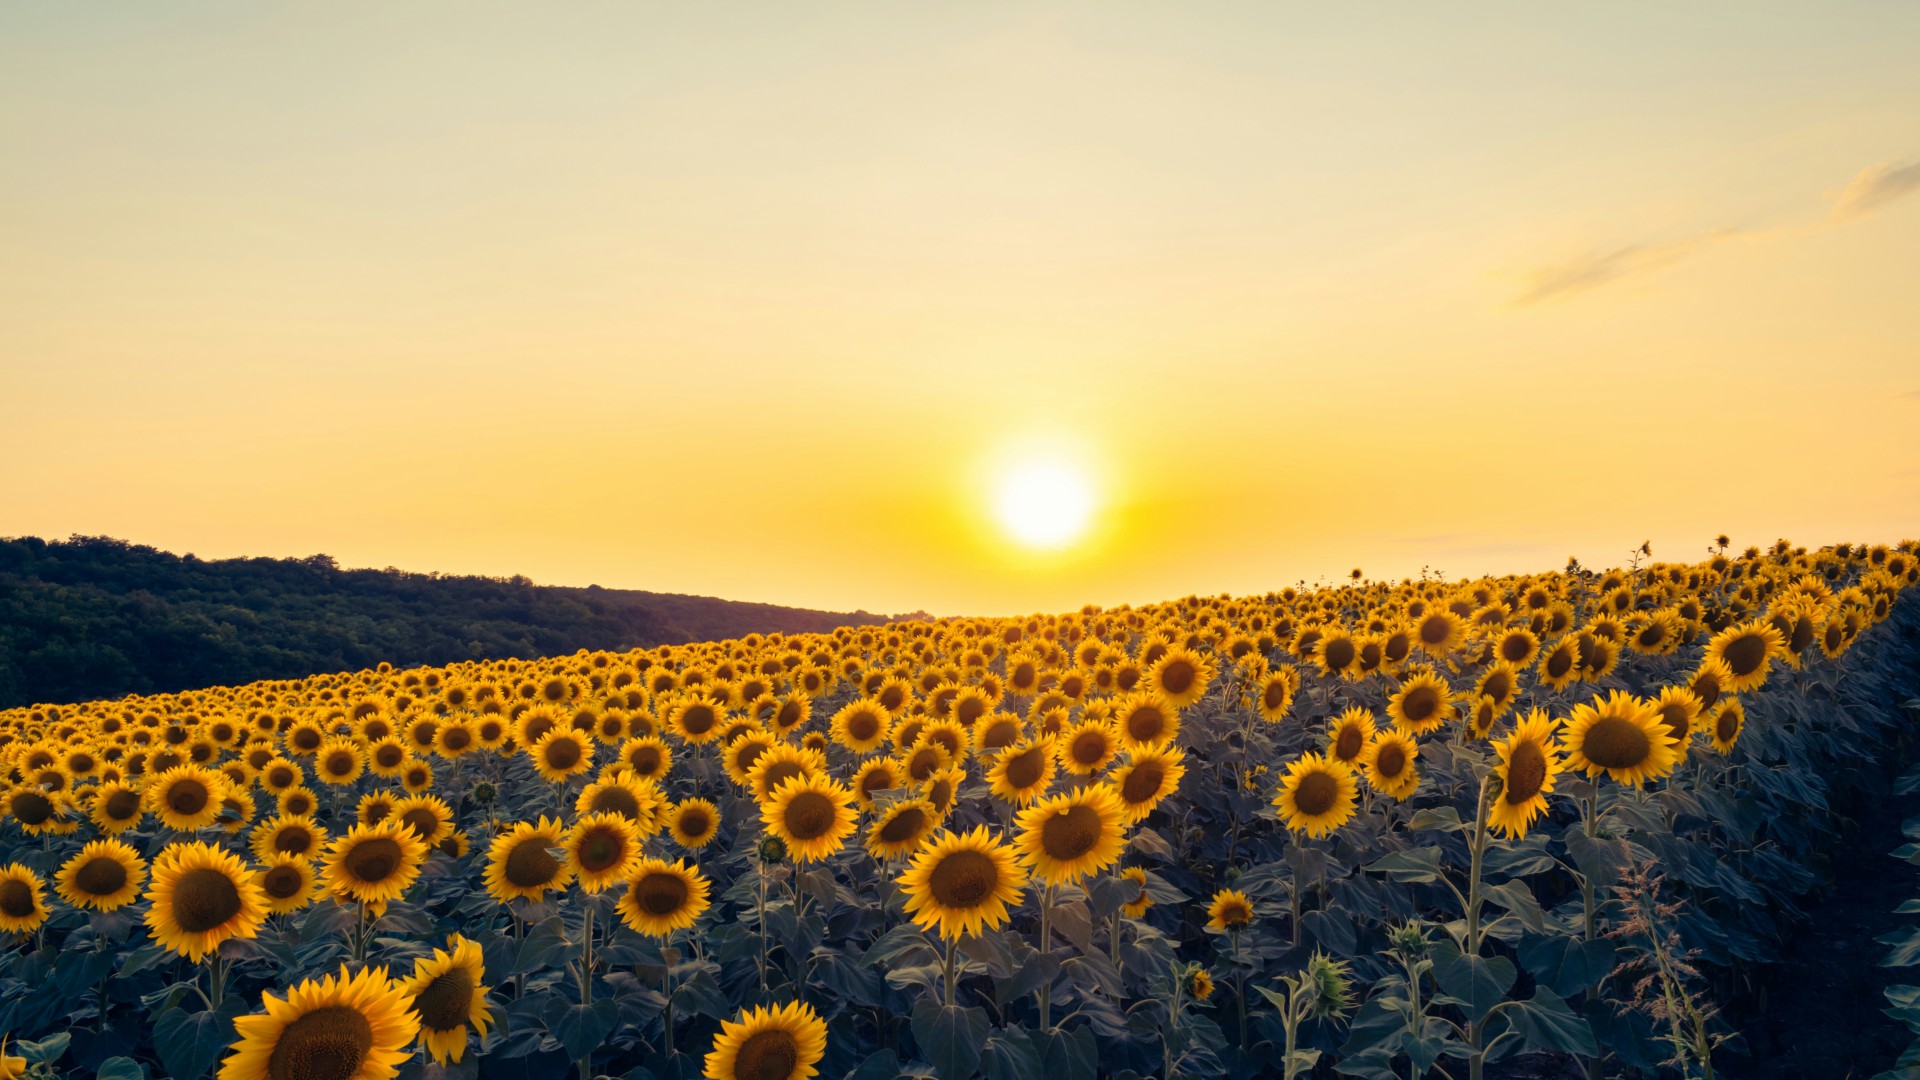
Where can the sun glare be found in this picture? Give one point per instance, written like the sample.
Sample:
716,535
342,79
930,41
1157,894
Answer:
1044,504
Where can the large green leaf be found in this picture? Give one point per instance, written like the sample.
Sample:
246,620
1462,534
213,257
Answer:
950,1036
1414,866
1480,981
1546,1023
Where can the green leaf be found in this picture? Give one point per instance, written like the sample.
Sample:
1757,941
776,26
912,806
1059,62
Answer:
1567,964
581,1028
1010,1056
950,1036
120,1068
1517,898
187,1043
1480,981
542,945
42,1052
1906,947
1546,1023
1413,867
1440,818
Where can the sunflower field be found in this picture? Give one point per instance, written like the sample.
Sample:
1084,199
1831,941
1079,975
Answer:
1411,829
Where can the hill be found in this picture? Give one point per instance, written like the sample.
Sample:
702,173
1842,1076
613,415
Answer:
94,617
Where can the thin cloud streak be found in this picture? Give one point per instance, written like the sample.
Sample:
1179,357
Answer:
1591,270
1874,187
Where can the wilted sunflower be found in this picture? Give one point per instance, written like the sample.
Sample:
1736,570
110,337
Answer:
812,815
1072,835
1348,733
899,829
782,1043
1729,720
1746,650
105,876
1317,795
1179,677
692,823
663,897
602,849
1388,764
1146,721
23,899
636,800
961,883
187,797
342,1027
1145,780
1619,735
1229,910
1529,762
446,994
561,754
1023,772
1422,704
521,864
373,864
202,896
289,882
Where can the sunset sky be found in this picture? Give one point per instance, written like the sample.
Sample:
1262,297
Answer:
773,303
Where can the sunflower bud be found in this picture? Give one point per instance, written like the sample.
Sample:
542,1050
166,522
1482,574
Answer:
1410,941
1331,984
772,851
483,793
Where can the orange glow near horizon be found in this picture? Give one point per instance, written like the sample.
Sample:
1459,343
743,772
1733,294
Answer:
968,310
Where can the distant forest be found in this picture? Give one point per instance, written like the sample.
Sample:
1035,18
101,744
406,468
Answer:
93,617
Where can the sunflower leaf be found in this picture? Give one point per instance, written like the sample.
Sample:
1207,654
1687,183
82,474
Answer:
950,1036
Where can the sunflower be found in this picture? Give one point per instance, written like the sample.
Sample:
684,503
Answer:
1179,677
1501,682
12,1067
1146,721
1517,647
1729,719
388,757
342,1027
1146,779
339,761
1529,762
942,789
1087,746
648,757
1388,763
1199,982
696,721
1746,650
521,864
37,811
202,896
287,881
429,816
961,883
1619,735
1677,707
1229,910
23,899
779,764
1347,734
996,731
1317,795
875,775
1069,836
281,774
1422,704
1024,771
375,807
105,876
812,815
899,829
446,994
561,754
187,797
287,836
1137,906
636,800
601,849
1276,690
1560,664
767,1043
692,823
297,802
117,807
663,897
743,751
454,739
1438,632
373,864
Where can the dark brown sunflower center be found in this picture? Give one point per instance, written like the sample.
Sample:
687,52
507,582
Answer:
282,777
422,821
282,882
645,760
1027,768
1178,676
530,865
562,753
204,899
1674,715
1316,793
779,772
1514,649
616,800
1435,629
809,815
1746,653
1391,761
121,805
1420,703
660,894
1348,744
1000,733
903,826
329,1043
768,1055
699,720
293,840
100,877
1275,695
1089,747
306,739
447,1001
1143,782
1069,835
1338,653
695,822
1146,725
1560,662
601,849
1727,725
456,738
187,797
1498,686
1526,772
376,860
964,879
1614,742
341,762
32,808
16,898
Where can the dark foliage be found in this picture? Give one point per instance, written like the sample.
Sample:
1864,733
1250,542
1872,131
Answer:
93,617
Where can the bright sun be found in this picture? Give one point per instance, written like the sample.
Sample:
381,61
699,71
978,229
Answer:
1043,503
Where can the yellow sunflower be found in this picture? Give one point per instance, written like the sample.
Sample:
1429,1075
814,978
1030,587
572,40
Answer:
429,816
342,1027
1137,906
636,800
105,876
766,1043
961,883
287,835
1422,704
1024,771
812,815
1729,720
117,807
187,797
1678,708
1274,697
561,754
1317,795
1388,763
696,721
521,864
1746,650
289,882
1619,735
1529,763
1348,733
692,823
1179,677
602,849
445,993
648,757
200,897
876,775
663,897
1145,780
373,864
899,829
780,763
1146,721
339,761
1560,665
23,899
1069,836
1229,910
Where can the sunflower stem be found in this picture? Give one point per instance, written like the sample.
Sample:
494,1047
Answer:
1476,1061
1240,995
760,922
667,957
948,971
1046,948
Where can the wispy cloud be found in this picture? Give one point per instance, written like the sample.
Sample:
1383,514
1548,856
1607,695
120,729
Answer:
1874,187
1593,269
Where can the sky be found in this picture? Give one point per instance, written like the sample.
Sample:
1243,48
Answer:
772,302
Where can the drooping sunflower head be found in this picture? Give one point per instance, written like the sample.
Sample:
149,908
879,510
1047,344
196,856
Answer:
1317,795
601,849
962,883
812,815
343,1027
446,995
1229,910
663,897
23,899
1388,763
521,864
766,1043
1146,779
373,864
200,897
1529,762
1621,736
1069,836
105,876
